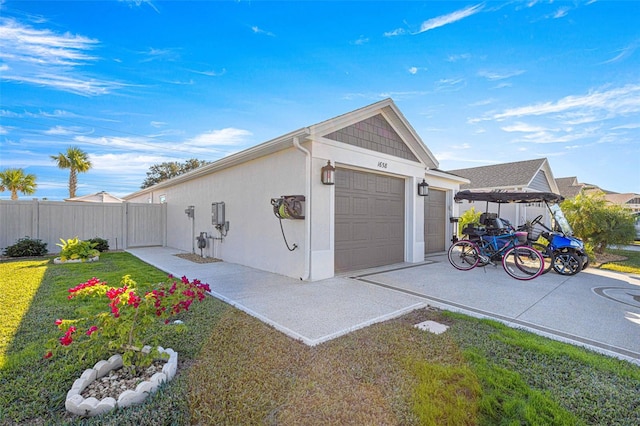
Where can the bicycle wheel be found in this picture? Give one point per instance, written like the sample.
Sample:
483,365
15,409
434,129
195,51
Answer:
523,263
547,255
463,255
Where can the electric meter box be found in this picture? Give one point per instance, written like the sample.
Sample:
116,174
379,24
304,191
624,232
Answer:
217,214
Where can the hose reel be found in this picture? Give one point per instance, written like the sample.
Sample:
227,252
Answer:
288,207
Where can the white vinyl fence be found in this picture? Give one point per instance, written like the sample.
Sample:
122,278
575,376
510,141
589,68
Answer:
123,225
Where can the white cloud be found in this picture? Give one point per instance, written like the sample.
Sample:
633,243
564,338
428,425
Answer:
360,41
459,57
42,57
258,30
450,18
225,137
494,76
65,131
561,13
413,70
617,101
396,32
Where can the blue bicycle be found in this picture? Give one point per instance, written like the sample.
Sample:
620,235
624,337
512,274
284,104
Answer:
481,249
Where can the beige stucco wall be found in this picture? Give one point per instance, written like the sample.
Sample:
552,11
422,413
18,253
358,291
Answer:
255,239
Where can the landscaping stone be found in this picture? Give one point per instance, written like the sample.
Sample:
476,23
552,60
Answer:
432,326
91,406
59,261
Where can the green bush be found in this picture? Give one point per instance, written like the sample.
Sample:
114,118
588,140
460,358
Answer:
101,244
469,217
26,247
75,248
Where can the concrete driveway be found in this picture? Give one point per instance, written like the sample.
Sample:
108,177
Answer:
594,308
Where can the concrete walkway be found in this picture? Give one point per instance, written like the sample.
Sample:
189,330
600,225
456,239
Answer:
596,309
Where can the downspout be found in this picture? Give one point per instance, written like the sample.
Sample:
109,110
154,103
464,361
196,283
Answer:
307,222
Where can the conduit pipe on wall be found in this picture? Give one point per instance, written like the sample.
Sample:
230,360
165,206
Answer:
307,222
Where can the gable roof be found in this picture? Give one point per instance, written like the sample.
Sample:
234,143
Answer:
389,112
569,187
519,174
98,197
317,131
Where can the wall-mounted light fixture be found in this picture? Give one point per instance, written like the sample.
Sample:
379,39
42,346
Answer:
328,175
423,189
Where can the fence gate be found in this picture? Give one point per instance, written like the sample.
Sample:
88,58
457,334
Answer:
146,224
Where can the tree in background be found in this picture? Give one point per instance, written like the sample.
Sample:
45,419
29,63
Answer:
597,222
161,172
77,161
15,180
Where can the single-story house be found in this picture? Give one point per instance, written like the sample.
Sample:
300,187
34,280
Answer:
527,176
570,187
98,197
366,213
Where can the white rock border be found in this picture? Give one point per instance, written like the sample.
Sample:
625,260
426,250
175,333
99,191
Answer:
90,407
59,261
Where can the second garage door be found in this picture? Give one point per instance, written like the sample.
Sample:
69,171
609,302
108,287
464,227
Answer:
435,212
369,220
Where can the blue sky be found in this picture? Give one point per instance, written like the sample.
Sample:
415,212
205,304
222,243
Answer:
137,83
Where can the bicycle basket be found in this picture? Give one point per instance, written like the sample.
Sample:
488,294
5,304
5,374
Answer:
522,236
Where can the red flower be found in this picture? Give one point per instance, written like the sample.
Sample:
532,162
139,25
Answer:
48,355
58,321
133,299
92,330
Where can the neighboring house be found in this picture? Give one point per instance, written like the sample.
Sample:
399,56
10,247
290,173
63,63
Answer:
570,187
629,201
99,197
371,216
528,176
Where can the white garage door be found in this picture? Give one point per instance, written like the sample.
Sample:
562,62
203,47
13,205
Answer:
369,220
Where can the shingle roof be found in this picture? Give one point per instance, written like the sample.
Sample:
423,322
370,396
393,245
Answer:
505,175
569,186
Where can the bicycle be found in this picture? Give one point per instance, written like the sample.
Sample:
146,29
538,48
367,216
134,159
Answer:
518,260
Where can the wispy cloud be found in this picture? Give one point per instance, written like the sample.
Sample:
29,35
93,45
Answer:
258,30
450,84
395,33
360,41
166,54
224,137
450,18
23,44
211,73
459,57
42,57
617,101
493,76
416,70
139,3
561,13
624,53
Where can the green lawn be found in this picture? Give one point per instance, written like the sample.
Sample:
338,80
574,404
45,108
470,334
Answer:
236,370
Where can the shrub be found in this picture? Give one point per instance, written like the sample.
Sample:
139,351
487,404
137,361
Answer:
26,247
75,248
101,244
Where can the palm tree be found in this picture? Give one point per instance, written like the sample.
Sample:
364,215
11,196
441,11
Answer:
15,180
77,161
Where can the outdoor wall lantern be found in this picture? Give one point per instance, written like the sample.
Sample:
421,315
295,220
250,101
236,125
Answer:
423,189
328,175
